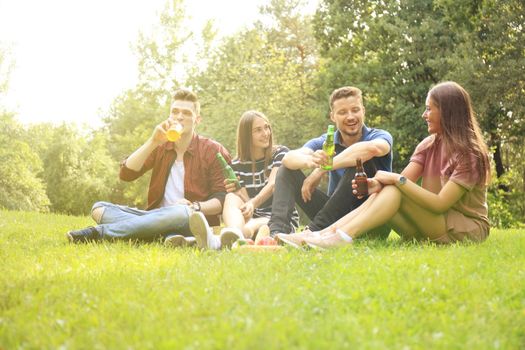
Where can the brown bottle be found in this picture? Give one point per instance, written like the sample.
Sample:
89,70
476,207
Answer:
360,179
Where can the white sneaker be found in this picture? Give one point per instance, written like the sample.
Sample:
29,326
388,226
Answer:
179,241
335,239
229,235
202,231
296,240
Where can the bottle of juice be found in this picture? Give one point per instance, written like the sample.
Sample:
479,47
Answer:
174,132
228,172
361,179
329,147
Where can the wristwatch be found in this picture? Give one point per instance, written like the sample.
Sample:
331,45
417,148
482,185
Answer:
402,180
196,206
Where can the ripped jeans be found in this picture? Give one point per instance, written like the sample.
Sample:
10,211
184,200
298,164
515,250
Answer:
122,222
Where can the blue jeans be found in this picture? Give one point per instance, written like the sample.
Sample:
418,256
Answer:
121,222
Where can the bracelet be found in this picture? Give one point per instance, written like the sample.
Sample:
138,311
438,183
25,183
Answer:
196,206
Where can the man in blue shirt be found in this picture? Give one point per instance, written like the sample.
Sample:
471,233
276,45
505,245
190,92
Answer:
353,139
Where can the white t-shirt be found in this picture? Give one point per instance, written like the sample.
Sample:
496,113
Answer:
175,185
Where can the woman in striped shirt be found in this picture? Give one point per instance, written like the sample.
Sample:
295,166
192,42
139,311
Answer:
255,164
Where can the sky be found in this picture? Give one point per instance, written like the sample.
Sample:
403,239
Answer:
73,57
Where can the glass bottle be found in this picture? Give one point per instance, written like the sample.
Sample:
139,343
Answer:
360,179
329,147
228,172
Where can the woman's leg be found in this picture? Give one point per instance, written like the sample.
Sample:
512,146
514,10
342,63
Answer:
252,226
391,206
345,220
231,212
428,225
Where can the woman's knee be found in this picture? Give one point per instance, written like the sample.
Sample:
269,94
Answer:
393,193
232,201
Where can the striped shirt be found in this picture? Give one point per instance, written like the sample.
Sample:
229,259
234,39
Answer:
255,179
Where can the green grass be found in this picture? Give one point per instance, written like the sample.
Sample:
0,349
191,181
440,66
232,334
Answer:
371,295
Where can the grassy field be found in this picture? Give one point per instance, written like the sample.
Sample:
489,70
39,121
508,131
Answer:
371,295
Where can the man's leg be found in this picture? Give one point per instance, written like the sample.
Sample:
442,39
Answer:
108,213
344,201
287,193
150,225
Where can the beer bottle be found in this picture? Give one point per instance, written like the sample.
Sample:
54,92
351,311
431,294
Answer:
329,147
360,179
228,172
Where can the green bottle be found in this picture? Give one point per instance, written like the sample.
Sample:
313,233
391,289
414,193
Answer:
228,172
329,147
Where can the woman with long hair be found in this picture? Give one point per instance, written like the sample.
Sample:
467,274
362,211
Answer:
453,164
255,164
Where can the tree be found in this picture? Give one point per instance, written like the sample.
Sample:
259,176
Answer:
269,68
6,65
397,50
20,186
394,51
487,61
78,169
162,56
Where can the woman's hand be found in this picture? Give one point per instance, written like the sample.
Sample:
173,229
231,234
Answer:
386,177
247,210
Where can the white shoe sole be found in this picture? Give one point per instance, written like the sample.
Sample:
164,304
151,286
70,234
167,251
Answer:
290,243
228,238
199,228
179,241
316,247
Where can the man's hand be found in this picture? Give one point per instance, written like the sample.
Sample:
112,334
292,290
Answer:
230,186
184,201
318,158
159,133
310,184
374,186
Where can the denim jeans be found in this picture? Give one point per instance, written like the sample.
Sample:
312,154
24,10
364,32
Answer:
321,209
121,222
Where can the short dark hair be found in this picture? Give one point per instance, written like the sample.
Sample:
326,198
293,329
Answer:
344,92
187,95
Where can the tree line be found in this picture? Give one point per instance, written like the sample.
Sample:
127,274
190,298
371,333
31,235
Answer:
286,66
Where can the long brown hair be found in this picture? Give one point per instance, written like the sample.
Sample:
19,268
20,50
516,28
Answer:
461,132
244,139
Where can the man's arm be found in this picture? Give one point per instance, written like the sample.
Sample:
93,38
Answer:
212,206
365,150
137,159
304,158
143,158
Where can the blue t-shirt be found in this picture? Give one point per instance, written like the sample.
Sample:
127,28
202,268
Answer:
369,134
